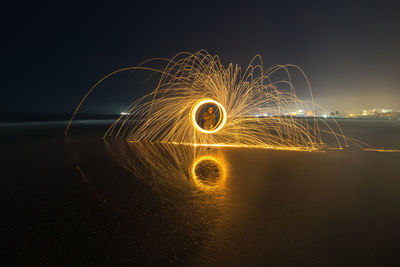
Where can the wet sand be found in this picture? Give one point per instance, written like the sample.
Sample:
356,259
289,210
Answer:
81,201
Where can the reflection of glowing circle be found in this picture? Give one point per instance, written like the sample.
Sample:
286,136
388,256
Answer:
219,168
221,121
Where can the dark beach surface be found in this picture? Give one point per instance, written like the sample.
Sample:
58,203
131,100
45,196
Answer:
83,201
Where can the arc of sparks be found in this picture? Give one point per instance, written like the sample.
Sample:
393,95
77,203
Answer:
189,80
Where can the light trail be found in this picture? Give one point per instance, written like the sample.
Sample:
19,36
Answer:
190,80
220,124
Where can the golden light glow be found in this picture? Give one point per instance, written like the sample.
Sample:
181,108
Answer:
383,150
293,148
258,107
209,159
190,80
201,168
220,124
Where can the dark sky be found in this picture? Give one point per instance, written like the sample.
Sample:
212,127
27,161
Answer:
53,52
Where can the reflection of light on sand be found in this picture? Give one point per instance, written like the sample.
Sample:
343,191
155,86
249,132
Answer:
208,172
383,150
169,166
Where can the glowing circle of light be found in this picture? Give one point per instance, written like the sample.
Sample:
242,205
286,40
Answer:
220,123
221,167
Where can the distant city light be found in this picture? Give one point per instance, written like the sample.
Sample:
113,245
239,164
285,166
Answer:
382,113
124,113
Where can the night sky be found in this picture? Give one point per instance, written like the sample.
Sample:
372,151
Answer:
53,52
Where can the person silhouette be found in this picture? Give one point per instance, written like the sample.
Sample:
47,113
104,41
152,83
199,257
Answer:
209,119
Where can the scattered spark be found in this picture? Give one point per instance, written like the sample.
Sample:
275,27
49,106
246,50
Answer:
191,80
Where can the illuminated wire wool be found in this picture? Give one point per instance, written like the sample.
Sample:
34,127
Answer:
220,124
188,80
